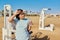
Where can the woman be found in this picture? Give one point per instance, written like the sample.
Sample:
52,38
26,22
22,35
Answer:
22,24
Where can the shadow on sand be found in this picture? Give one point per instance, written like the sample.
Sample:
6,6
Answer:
37,36
44,38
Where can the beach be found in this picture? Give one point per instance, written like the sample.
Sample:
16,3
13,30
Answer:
46,34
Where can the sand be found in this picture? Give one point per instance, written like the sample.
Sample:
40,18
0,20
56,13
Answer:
46,34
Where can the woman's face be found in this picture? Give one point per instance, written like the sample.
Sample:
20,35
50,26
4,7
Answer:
22,16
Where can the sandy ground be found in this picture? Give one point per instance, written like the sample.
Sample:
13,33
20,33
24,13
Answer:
45,34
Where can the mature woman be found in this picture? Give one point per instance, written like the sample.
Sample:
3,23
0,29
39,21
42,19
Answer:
23,25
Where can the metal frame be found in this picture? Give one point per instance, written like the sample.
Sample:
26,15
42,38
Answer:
41,21
6,30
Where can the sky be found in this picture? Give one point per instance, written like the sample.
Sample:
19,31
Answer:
32,5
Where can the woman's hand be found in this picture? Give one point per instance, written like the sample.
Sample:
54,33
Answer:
30,32
16,12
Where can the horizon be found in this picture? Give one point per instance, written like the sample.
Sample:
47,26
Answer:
32,5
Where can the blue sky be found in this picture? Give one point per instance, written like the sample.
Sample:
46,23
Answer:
33,5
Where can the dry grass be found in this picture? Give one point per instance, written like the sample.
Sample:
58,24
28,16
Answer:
45,34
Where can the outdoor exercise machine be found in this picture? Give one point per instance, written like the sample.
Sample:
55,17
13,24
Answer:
7,29
42,20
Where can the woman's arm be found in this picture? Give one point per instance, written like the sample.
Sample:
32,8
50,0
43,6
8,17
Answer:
29,27
11,19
